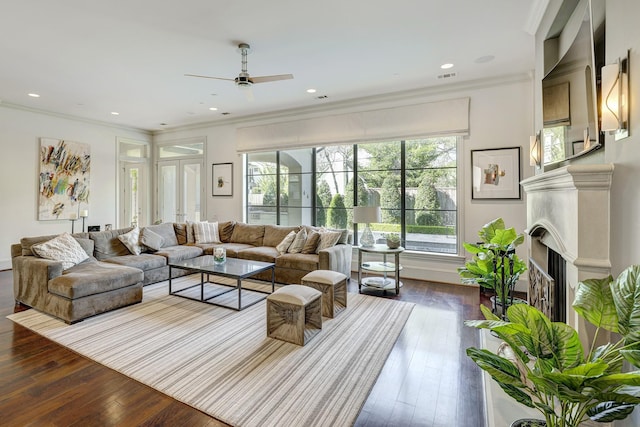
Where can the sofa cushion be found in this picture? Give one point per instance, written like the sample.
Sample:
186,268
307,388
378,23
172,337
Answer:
261,253
179,252
231,248
132,241
273,234
181,232
151,239
107,244
27,242
87,244
225,230
248,233
206,232
167,232
94,277
143,261
63,248
307,262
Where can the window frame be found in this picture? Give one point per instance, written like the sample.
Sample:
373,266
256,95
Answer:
459,173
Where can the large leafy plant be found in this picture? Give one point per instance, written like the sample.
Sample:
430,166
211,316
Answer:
543,365
495,265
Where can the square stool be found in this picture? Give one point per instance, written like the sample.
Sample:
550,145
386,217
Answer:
294,314
333,286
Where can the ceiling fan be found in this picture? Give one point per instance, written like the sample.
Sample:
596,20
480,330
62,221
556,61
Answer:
244,80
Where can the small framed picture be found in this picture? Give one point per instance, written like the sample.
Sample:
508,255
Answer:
222,177
578,147
495,173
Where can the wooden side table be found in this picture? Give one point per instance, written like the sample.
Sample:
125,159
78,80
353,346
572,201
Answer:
384,282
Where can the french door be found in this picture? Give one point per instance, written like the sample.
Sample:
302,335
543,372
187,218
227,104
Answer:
133,194
180,190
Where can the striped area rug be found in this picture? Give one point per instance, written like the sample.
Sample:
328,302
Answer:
221,362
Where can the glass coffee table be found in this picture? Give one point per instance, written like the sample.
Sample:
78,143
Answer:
210,291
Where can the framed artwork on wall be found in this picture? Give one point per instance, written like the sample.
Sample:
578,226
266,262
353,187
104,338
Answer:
222,176
495,173
65,167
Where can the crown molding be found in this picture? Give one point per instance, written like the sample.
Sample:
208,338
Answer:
94,122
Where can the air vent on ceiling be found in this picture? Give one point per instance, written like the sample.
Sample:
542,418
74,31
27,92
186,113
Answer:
446,75
225,114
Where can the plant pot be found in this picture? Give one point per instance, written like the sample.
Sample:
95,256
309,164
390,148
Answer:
529,422
393,244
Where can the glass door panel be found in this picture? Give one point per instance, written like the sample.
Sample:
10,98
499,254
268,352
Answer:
134,199
180,190
191,190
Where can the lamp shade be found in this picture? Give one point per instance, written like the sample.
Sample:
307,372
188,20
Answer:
366,214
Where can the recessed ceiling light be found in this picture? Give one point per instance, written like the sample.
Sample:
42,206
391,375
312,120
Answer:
446,66
311,91
34,95
213,109
115,113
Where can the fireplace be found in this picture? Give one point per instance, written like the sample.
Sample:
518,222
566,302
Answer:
569,232
547,286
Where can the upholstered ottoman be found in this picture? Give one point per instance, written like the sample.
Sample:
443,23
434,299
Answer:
294,314
333,286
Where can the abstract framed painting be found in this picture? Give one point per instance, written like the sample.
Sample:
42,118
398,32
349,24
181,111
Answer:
222,177
495,173
65,167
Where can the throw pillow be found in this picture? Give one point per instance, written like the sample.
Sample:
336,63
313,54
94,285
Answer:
151,239
132,241
298,243
328,239
311,244
286,242
191,238
225,230
206,232
344,235
63,248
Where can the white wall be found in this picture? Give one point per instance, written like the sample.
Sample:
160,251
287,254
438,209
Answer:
20,133
501,115
623,32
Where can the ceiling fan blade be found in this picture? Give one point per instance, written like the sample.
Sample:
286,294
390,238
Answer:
264,79
208,77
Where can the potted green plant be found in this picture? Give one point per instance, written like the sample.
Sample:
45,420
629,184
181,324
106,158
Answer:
393,240
543,365
495,265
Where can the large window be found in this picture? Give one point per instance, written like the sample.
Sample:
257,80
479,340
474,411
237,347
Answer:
413,181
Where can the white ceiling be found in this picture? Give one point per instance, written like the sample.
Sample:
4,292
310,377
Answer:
87,58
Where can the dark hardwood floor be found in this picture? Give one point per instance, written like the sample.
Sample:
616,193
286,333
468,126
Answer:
426,381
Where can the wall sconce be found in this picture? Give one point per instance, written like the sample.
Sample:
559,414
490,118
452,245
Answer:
615,98
535,150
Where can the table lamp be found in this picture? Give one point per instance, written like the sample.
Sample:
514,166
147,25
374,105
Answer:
366,215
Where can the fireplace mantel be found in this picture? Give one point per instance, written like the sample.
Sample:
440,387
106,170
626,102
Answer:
568,211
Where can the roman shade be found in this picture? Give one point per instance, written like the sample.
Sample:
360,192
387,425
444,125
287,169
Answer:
449,117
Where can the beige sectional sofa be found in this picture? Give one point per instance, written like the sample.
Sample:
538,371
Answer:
113,276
